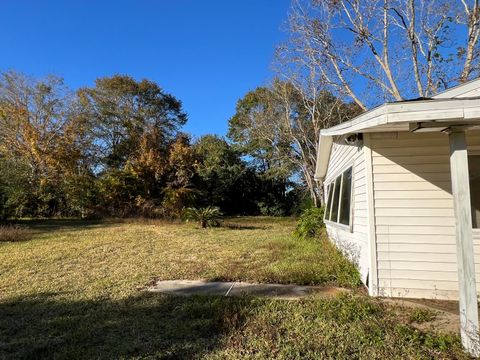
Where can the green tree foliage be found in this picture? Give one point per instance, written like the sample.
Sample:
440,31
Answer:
141,159
223,179
122,111
15,191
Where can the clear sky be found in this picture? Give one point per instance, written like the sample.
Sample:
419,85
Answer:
208,53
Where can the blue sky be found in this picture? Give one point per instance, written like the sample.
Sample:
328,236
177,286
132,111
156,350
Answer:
208,53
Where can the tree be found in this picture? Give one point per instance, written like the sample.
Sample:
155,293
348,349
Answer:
39,128
223,178
279,126
135,128
15,191
122,110
179,191
383,50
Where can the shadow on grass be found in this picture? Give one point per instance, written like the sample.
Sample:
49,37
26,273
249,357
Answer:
72,224
232,226
46,326
46,225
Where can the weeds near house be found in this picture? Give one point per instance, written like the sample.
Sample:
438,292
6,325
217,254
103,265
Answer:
422,315
205,217
12,233
310,223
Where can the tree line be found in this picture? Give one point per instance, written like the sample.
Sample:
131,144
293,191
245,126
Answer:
117,149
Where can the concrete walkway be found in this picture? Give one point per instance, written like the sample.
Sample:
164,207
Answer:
278,291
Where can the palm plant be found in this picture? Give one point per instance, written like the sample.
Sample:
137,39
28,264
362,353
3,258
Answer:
206,217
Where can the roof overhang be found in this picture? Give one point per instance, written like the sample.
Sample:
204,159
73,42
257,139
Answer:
323,156
397,116
419,115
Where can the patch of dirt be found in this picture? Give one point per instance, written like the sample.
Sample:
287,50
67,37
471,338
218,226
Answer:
329,291
447,317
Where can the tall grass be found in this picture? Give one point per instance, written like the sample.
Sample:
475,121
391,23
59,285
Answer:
12,233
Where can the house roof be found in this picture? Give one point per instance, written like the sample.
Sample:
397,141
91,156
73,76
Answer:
458,106
398,115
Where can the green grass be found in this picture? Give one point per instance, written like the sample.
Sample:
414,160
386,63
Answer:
75,291
421,315
114,259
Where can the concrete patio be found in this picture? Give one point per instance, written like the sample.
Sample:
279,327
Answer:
277,291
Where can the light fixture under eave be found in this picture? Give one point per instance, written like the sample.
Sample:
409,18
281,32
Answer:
354,139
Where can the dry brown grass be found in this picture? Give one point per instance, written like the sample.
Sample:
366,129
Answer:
14,233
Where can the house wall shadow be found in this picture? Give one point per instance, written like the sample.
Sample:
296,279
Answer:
50,326
426,155
429,166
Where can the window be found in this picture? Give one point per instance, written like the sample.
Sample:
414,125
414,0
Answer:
335,200
474,172
344,217
329,202
339,199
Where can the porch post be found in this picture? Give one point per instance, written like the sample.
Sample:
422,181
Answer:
465,256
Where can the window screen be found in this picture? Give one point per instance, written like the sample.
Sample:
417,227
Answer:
335,200
474,172
345,197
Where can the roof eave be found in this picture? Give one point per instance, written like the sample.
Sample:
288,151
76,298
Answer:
324,149
409,112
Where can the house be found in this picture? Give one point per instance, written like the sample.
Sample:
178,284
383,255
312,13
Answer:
402,191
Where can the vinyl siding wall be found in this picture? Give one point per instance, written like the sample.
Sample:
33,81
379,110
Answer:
414,217
353,243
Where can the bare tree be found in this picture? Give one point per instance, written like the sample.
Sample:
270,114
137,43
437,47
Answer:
383,50
471,19
363,51
284,121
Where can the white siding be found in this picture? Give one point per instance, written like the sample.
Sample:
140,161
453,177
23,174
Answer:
415,225
355,242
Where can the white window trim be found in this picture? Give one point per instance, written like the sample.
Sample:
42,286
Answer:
337,224
328,205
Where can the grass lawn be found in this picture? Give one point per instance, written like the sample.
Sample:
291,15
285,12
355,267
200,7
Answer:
75,291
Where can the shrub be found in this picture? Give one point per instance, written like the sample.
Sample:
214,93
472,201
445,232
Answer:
310,222
14,233
206,217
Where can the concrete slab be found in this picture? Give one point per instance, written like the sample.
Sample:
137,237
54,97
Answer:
271,290
278,291
191,287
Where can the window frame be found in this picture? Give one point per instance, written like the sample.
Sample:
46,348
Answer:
473,152
340,203
330,186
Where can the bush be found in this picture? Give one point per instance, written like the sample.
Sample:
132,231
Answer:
14,233
206,217
310,223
